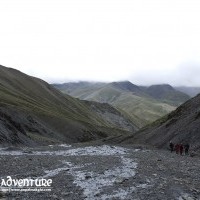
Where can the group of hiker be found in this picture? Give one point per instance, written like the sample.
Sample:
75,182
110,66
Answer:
179,148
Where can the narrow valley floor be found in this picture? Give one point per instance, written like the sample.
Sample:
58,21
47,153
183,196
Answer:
102,172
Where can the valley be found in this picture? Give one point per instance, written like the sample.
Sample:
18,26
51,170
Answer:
32,112
101,145
82,171
100,100
142,105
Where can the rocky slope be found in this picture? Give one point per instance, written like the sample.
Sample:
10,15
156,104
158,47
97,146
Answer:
34,112
180,126
111,116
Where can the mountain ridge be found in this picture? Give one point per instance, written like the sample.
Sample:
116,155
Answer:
34,112
139,102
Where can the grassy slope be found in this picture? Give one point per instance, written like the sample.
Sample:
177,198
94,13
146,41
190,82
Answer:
80,90
35,95
167,94
139,107
62,113
146,109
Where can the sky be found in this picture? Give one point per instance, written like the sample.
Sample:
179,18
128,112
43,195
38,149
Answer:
143,41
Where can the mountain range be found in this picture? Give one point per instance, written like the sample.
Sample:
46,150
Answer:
141,104
34,112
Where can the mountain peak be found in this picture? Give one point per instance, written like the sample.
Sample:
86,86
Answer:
166,91
126,85
162,87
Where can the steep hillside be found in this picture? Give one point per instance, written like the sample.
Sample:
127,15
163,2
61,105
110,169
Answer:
32,111
111,116
145,109
181,125
142,104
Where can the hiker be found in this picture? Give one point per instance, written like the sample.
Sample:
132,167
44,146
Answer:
171,145
187,146
177,147
181,149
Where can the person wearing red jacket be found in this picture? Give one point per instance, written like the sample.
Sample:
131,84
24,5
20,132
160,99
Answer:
181,149
177,148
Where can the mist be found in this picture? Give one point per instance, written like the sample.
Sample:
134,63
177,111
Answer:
146,42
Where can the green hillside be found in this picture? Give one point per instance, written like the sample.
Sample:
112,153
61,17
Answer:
33,110
167,93
142,104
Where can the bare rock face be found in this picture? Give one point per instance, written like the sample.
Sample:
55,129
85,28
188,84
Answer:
111,116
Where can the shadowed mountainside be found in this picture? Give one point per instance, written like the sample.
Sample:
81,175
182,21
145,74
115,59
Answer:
180,126
32,111
167,94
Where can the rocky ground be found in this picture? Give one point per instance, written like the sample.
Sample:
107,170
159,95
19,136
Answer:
102,172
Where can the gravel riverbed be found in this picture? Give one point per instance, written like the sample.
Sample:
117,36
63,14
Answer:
102,172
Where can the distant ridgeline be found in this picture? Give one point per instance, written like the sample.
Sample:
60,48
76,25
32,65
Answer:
142,105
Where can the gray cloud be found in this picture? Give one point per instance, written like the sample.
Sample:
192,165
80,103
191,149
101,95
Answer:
187,74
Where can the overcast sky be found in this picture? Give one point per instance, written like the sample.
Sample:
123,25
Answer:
144,41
